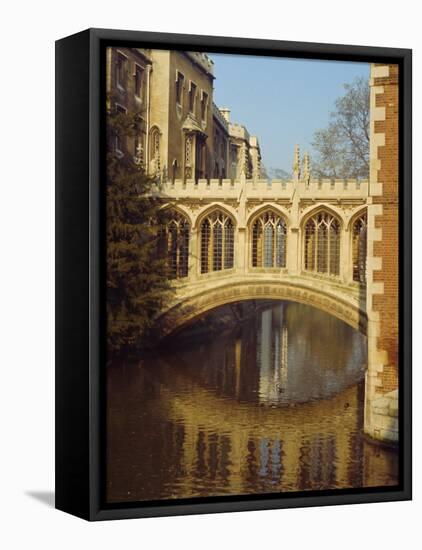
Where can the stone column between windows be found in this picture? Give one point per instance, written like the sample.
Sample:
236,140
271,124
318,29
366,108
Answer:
346,271
241,250
293,259
241,254
194,255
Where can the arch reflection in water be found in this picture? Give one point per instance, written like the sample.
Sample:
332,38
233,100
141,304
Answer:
258,397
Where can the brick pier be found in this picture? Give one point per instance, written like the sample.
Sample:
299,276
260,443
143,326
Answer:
381,414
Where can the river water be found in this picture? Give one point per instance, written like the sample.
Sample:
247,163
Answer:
261,397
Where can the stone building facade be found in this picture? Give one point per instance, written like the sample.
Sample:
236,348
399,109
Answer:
244,153
182,133
221,144
127,83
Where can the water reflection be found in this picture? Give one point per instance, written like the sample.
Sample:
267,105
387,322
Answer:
255,398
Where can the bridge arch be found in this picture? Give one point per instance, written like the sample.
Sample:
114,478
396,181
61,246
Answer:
205,297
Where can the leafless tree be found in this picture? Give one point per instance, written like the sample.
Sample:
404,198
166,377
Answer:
342,149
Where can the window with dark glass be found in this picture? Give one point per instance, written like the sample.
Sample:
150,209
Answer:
180,79
322,244
121,70
269,241
192,97
359,248
174,242
217,242
139,75
204,103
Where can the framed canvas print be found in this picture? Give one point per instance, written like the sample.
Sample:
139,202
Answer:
233,274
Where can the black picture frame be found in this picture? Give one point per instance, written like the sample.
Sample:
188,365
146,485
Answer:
80,289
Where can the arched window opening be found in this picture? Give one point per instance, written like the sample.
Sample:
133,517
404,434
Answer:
322,244
175,170
359,248
217,242
154,155
269,233
175,244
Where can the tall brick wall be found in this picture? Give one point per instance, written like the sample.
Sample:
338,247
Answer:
386,304
381,396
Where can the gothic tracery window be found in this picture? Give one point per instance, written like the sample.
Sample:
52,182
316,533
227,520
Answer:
322,244
269,241
359,247
175,244
217,242
155,150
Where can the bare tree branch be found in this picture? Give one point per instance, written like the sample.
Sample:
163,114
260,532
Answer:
342,149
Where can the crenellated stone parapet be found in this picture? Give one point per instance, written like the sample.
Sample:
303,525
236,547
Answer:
313,189
220,117
238,131
202,60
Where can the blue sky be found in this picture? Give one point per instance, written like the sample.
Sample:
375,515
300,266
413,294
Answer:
282,101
